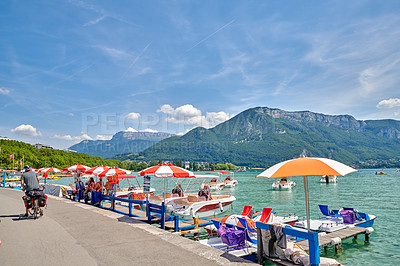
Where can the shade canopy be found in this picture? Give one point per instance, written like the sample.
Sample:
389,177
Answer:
49,170
114,171
77,168
307,166
97,170
166,170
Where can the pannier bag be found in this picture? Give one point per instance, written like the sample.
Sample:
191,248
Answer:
27,201
42,200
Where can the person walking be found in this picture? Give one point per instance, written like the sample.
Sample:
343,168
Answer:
30,183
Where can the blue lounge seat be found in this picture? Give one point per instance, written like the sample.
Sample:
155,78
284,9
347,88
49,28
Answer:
325,210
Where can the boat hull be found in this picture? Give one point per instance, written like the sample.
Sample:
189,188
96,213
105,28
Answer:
200,209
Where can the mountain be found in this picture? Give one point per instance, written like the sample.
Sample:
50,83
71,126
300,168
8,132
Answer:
38,158
262,136
121,142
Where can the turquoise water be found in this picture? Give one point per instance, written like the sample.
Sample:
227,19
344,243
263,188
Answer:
375,194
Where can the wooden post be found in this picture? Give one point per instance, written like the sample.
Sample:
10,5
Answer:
260,258
367,237
355,237
337,248
196,222
326,248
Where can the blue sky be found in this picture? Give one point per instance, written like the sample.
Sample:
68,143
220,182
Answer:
73,70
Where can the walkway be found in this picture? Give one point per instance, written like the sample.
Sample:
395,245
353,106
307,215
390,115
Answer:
75,233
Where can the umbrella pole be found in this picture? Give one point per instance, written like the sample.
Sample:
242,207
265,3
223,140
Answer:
165,189
307,202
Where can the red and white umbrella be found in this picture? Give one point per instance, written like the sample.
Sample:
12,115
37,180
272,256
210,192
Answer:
38,170
49,170
166,170
114,171
77,168
97,170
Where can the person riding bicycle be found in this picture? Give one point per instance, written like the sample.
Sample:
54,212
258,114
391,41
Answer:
29,184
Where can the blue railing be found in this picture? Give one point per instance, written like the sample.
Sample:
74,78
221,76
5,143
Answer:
312,238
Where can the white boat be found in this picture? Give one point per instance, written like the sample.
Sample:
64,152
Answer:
283,184
228,181
195,206
214,184
328,179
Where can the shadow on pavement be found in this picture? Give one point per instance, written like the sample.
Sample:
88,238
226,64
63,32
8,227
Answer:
129,220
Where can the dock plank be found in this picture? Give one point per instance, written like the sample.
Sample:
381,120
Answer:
325,240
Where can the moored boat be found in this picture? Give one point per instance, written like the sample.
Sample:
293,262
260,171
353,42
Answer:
199,206
328,179
229,180
283,184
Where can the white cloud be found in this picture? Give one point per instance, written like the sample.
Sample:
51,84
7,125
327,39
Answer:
130,129
150,130
71,114
217,118
73,138
132,116
166,109
4,91
26,130
103,137
392,102
190,115
180,134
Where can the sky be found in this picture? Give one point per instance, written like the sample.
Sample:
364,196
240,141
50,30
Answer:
72,70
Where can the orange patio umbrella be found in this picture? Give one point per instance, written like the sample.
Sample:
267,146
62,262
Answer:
305,166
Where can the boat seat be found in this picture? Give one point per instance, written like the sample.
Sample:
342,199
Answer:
192,198
202,198
247,210
167,195
325,210
266,215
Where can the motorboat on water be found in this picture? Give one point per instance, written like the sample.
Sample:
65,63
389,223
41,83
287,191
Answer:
229,181
214,184
328,179
335,220
380,173
283,184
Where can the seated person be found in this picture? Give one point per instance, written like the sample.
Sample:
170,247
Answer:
99,185
89,185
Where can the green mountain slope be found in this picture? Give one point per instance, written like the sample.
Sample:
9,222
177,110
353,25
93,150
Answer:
262,136
46,157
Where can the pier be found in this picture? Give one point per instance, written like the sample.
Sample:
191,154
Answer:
76,233
331,238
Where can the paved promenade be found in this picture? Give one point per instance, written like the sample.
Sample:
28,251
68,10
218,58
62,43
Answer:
74,233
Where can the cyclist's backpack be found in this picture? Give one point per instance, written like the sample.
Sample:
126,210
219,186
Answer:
27,201
43,200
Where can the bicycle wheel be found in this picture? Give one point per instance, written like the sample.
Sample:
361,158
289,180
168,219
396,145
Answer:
35,209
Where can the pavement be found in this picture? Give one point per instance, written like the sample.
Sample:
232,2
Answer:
80,234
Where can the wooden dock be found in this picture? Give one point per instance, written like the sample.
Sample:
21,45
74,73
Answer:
182,223
326,240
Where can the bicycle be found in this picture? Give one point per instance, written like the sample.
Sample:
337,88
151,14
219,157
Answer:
35,210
